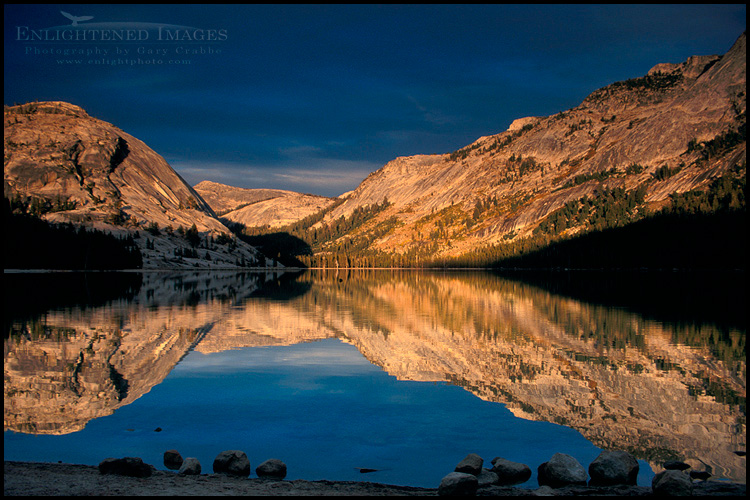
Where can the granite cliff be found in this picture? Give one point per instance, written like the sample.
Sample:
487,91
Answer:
674,130
541,163
75,168
260,207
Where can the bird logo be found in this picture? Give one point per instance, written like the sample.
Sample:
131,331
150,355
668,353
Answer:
76,19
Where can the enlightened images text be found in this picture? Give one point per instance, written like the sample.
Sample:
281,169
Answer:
162,34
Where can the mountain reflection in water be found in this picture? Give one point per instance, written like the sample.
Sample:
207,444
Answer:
626,381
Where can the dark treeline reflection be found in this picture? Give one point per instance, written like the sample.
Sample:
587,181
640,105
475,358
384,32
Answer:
702,310
284,287
680,296
26,297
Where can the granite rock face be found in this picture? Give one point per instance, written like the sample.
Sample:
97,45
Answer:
89,172
260,207
502,186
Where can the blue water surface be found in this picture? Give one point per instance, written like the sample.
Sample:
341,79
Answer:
322,408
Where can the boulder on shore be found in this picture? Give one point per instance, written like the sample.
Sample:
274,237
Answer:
127,466
458,483
471,464
172,459
272,468
232,462
487,478
509,472
561,470
672,483
190,467
613,467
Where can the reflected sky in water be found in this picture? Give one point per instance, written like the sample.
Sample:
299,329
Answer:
321,408
404,373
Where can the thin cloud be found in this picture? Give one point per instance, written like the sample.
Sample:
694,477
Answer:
327,177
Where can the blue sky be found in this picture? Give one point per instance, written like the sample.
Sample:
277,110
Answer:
312,98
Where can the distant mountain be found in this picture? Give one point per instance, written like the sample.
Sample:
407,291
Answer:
663,140
223,199
260,207
65,166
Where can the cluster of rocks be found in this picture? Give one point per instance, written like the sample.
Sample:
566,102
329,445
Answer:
470,475
230,462
612,472
610,469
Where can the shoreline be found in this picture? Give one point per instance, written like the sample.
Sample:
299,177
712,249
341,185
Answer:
59,479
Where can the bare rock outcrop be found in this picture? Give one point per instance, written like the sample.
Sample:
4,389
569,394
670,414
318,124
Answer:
86,171
502,186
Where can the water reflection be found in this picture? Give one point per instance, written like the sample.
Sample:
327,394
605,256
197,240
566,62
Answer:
624,380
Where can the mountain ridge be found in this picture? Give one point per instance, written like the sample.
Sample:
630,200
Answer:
263,207
67,167
676,129
629,149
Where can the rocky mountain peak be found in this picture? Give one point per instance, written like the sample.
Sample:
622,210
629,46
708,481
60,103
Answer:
75,168
260,207
673,130
520,123
48,107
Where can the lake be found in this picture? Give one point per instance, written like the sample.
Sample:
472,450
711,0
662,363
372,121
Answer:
404,372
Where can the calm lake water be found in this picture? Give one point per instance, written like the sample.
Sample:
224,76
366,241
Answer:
405,372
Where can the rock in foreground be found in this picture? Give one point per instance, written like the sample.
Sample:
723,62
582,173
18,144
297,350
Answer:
509,472
471,464
128,466
53,479
561,470
613,467
172,459
272,468
672,483
190,467
232,462
458,483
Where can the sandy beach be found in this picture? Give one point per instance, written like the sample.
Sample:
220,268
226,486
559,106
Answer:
50,479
